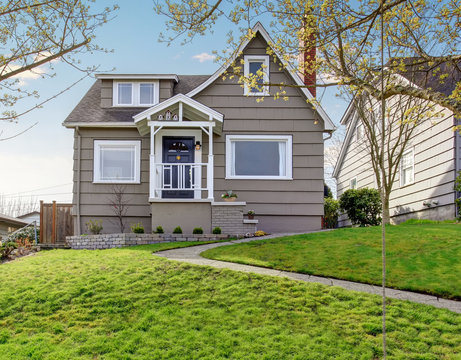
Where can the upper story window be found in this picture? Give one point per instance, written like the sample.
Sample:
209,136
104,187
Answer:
117,161
353,183
257,67
259,157
407,168
131,93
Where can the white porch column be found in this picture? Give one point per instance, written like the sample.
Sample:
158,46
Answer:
210,167
152,175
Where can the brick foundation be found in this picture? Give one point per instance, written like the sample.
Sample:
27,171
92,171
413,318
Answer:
109,241
229,217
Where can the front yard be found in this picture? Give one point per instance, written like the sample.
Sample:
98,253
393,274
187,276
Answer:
128,304
420,257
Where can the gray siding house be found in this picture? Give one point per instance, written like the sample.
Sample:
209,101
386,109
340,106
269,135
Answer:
177,142
423,187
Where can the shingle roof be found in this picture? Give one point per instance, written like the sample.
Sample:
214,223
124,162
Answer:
12,220
89,108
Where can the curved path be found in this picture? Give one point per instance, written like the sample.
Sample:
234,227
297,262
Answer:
192,255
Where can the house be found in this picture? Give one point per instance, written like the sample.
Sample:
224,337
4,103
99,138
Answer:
9,224
171,144
423,187
30,217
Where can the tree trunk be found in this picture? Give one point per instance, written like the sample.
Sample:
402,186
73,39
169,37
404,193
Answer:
386,213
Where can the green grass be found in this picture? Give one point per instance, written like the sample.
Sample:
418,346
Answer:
423,257
128,304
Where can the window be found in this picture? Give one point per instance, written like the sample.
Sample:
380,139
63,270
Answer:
117,161
360,132
407,168
253,66
353,183
135,93
259,157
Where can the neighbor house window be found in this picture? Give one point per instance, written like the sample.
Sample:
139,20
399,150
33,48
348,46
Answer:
256,66
353,183
117,161
135,93
407,168
360,132
258,157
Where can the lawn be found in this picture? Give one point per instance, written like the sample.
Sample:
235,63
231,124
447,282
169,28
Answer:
420,257
128,304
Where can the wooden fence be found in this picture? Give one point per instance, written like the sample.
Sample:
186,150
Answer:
55,222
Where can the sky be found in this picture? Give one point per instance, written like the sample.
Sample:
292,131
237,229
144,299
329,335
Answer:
37,165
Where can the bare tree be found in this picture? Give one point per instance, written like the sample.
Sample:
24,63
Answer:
35,34
17,206
119,205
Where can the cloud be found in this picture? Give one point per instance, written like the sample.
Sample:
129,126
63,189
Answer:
204,57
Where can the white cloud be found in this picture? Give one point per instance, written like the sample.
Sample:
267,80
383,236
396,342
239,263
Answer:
204,57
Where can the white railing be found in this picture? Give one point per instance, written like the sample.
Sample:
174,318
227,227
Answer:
177,177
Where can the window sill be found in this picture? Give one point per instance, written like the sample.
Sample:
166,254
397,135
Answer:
116,182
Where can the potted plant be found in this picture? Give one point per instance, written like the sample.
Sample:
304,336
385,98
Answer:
251,214
229,196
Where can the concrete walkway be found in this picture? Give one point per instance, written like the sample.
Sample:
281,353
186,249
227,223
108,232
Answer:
192,255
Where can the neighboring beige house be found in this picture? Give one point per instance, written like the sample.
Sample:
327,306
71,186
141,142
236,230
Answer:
30,217
177,142
423,187
9,224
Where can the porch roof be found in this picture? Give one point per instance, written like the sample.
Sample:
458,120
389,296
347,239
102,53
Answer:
189,111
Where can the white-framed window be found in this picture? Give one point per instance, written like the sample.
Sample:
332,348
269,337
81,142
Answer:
353,183
407,168
257,66
117,161
360,133
135,93
259,157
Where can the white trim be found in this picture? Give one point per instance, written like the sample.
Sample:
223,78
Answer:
175,99
135,93
137,77
329,126
345,145
412,151
266,69
185,124
100,124
98,144
288,139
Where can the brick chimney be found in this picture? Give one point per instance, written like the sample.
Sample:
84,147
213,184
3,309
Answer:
307,58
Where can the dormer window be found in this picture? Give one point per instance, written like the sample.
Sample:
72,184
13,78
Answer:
257,66
135,93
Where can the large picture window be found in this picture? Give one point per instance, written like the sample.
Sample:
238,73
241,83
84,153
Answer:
258,157
117,161
407,168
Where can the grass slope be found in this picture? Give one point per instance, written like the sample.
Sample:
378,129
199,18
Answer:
128,304
424,258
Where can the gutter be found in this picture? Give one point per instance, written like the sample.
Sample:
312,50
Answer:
77,200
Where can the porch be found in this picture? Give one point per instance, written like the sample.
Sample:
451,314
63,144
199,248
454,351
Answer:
178,166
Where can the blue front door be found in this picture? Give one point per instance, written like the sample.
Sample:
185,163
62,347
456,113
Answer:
178,177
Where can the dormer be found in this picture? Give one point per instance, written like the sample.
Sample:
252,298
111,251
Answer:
135,90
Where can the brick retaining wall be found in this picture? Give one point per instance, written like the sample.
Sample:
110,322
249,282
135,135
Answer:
109,241
229,217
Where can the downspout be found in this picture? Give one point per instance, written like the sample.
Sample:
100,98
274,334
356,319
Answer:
77,197
330,134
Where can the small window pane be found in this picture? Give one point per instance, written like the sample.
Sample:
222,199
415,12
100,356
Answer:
124,94
407,168
260,158
146,94
255,66
117,163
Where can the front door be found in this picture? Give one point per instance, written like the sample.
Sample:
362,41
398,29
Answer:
178,177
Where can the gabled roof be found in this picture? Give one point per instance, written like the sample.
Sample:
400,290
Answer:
12,220
259,28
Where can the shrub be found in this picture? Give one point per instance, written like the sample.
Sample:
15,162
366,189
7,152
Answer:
331,209
197,230
94,226
363,206
229,194
177,230
260,233
159,230
27,233
6,248
216,230
458,197
137,228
